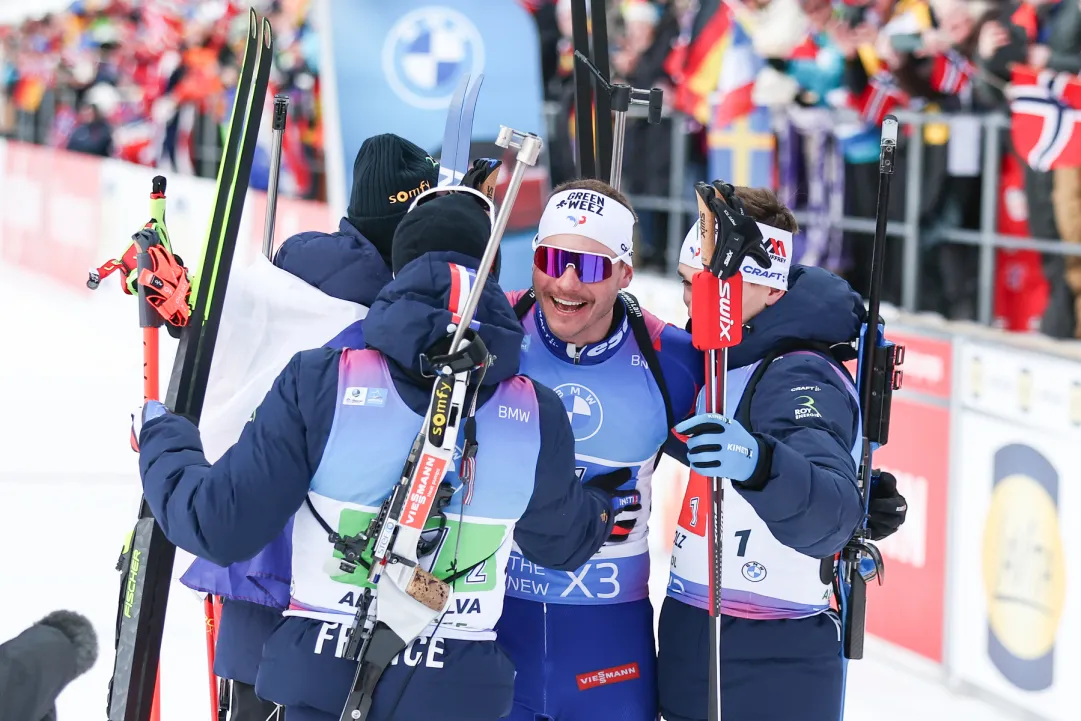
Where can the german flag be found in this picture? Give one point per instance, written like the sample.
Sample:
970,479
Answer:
694,64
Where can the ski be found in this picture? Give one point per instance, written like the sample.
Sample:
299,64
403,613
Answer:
458,132
147,561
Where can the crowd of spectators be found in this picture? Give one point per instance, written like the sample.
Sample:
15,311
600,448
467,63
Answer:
150,81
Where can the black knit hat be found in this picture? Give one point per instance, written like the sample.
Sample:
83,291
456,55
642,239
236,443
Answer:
454,222
388,174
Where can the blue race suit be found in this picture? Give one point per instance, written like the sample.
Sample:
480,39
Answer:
334,430
582,640
780,641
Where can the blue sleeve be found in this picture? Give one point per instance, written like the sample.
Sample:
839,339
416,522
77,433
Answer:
684,371
228,511
565,522
806,420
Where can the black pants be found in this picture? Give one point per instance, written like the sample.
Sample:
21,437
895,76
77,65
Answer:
246,706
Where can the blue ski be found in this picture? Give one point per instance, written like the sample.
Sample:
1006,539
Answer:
458,134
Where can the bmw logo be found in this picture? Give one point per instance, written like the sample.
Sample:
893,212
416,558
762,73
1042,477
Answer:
754,571
427,52
583,409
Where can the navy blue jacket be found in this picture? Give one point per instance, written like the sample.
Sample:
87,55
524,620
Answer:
808,496
228,511
343,265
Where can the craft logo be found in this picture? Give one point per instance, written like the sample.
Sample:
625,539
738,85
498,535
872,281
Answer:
1024,570
583,200
420,500
426,53
583,409
403,195
605,676
577,221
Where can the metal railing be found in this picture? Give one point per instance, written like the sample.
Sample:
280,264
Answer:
681,209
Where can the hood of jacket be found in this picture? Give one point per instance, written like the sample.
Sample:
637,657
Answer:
410,316
819,306
344,265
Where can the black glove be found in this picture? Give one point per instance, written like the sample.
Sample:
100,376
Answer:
622,500
483,175
887,507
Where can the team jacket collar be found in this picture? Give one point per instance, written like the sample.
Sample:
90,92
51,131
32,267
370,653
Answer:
592,353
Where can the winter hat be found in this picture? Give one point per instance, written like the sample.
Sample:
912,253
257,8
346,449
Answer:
388,173
451,223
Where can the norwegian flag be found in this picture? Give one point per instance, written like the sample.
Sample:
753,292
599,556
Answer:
1045,109
880,98
951,73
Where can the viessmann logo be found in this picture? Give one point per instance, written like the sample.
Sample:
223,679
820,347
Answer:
616,674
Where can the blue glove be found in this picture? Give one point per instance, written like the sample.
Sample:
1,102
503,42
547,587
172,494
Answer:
720,447
149,411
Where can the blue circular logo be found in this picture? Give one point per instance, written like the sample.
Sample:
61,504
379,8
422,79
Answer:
754,571
427,52
583,409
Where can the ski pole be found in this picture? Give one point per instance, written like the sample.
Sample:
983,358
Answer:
281,109
151,321
717,310
211,643
622,98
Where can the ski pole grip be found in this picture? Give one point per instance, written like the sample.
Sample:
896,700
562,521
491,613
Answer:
888,145
281,107
707,225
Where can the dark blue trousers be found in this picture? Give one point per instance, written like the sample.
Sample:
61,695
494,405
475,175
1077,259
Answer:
786,670
581,663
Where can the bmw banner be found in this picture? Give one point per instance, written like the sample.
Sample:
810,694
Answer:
393,67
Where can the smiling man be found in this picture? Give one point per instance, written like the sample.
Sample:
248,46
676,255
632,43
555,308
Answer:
582,641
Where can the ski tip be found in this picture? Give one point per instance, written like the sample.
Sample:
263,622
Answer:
253,23
268,34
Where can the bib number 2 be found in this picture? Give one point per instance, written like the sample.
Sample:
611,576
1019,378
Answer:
578,580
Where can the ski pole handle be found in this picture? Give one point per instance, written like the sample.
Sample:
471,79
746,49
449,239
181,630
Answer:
281,109
529,147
